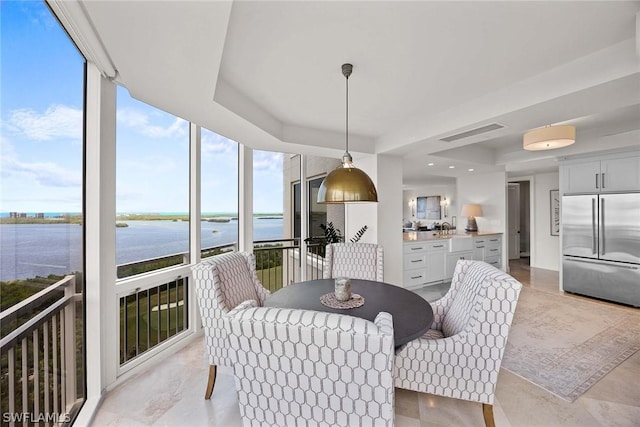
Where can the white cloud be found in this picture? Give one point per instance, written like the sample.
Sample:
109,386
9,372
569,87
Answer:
139,121
267,161
58,121
212,143
47,174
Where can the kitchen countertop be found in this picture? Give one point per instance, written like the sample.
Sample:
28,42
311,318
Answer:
422,236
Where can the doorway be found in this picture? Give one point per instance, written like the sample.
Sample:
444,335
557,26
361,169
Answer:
519,233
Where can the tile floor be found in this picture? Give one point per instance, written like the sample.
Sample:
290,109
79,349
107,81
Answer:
171,392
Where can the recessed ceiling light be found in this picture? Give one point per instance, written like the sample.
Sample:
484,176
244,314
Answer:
452,167
429,164
471,170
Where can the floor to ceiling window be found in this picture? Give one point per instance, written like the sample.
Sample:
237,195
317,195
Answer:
41,217
269,247
152,223
219,193
152,187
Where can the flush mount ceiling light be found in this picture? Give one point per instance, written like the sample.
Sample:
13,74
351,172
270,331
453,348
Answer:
549,137
346,183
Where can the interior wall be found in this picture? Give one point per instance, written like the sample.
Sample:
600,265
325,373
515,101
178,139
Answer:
490,192
444,191
547,247
383,219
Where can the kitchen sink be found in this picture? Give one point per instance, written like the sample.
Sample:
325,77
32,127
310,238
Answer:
460,243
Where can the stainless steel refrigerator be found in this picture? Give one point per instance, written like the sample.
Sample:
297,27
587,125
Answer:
601,246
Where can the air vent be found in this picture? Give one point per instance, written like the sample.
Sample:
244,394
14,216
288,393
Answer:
472,132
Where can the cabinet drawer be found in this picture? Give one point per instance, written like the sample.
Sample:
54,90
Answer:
492,250
415,277
417,260
415,248
440,245
494,261
480,243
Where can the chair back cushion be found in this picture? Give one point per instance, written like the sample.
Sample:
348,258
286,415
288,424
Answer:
354,260
469,290
323,368
222,282
232,273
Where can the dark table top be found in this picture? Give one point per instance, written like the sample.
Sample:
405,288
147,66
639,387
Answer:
412,315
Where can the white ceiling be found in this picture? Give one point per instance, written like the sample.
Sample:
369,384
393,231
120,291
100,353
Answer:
267,74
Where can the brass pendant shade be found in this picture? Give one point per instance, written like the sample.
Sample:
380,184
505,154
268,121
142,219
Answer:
346,183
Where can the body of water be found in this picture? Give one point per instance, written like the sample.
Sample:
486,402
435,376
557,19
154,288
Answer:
30,250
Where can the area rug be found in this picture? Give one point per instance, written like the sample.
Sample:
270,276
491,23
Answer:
565,344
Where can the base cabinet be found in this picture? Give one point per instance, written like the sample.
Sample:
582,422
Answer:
424,262
452,260
488,249
432,261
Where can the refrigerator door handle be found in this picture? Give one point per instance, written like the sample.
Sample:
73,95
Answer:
602,230
593,227
598,262
597,180
602,179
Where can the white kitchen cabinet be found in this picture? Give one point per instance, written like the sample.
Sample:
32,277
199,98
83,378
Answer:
604,175
424,262
436,266
488,249
452,260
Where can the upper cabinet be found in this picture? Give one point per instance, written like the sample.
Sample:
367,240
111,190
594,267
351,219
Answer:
603,175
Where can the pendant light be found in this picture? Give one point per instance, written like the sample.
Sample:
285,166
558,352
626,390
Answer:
346,183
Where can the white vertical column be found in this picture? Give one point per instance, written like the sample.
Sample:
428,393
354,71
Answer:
195,211
194,193
101,309
389,215
304,216
245,198
384,218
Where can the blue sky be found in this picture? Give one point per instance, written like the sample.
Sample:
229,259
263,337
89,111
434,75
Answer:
41,134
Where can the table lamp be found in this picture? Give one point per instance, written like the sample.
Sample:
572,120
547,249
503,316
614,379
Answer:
471,212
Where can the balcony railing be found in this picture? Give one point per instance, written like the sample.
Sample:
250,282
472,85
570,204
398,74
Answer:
41,357
278,262
157,312
151,316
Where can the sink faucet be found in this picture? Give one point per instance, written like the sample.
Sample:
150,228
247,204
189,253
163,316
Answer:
445,227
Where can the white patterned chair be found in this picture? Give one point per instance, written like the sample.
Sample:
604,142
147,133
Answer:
301,367
460,355
354,260
222,282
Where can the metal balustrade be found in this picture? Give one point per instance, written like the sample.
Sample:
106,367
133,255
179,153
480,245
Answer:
151,316
41,357
278,262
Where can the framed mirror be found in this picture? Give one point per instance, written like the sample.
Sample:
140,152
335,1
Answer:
428,208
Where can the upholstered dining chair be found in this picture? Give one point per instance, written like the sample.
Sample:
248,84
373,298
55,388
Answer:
303,367
460,355
354,260
222,282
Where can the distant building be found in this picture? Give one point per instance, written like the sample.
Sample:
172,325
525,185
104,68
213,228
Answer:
13,214
22,215
39,215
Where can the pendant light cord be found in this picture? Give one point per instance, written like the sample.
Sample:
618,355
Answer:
347,115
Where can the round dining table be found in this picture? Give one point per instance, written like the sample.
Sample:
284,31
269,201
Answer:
412,314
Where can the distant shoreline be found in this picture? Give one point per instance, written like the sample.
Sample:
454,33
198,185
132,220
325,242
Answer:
77,218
